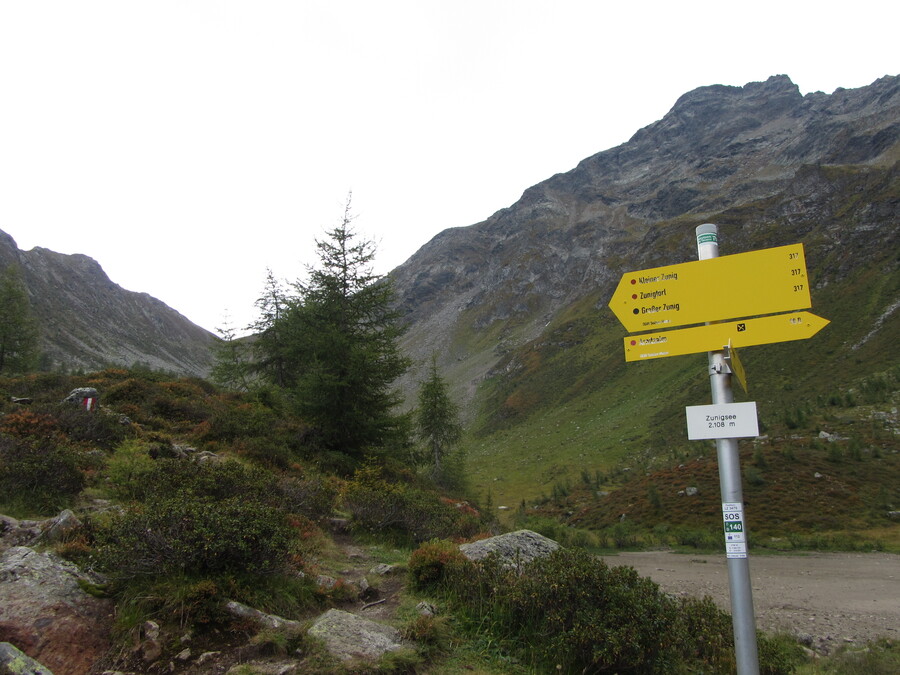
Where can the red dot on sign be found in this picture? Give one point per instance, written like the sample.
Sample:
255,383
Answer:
634,296
633,281
633,343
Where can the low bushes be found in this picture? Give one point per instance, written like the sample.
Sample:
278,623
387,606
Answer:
428,563
572,613
198,519
401,510
312,496
37,476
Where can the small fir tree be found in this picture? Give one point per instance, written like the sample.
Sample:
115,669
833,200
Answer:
437,419
232,367
270,327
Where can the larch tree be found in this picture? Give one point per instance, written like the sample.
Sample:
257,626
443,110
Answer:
341,347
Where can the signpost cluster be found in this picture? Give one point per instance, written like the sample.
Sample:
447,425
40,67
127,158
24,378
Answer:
741,300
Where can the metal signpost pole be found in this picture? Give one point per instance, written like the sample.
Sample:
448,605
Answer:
744,621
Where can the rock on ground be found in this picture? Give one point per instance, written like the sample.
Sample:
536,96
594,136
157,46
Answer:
241,611
514,549
347,636
14,662
45,613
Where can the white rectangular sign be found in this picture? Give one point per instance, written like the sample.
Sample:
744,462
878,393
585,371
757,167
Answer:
724,420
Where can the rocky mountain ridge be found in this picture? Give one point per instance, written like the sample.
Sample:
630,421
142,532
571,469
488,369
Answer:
88,322
761,157
720,150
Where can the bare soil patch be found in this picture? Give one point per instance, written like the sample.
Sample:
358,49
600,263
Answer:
826,599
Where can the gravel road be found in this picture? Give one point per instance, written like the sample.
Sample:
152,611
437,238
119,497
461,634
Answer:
827,599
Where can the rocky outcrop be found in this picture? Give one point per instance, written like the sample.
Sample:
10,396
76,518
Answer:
15,532
45,612
348,636
513,549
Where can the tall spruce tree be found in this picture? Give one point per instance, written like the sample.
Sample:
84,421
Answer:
19,336
341,347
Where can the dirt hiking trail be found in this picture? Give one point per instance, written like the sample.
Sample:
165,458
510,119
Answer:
826,599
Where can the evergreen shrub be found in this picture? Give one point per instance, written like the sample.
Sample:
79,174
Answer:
197,519
313,496
428,563
572,613
404,511
97,428
37,476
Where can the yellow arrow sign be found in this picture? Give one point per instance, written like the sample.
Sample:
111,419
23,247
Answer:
759,331
767,281
733,360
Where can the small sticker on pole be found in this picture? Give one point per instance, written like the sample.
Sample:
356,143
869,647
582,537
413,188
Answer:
735,532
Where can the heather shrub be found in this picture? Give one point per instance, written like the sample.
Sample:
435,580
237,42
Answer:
428,563
196,519
94,427
37,476
29,424
572,613
401,510
205,480
188,534
244,420
313,496
137,391
594,616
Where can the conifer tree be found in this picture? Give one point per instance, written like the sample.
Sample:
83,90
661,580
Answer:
340,347
270,328
19,336
232,366
437,419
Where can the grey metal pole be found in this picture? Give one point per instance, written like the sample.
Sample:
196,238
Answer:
743,618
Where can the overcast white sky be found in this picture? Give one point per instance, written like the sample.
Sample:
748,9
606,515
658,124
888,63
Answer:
189,145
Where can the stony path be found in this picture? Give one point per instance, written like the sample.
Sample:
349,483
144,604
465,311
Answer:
830,597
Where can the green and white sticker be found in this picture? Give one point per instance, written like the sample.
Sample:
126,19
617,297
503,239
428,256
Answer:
735,531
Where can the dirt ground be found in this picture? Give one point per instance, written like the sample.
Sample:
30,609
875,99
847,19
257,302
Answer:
826,599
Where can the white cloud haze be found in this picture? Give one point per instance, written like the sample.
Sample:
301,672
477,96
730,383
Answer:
188,145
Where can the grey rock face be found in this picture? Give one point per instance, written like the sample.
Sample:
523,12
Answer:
347,636
45,612
514,549
60,528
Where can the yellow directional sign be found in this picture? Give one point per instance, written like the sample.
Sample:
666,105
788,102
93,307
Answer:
733,360
748,332
766,281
